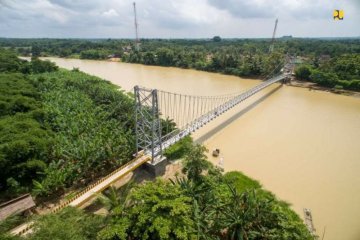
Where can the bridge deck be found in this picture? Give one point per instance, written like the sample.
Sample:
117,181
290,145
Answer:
207,117
108,181
95,188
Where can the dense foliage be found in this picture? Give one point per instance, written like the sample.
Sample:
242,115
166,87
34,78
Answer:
205,204
70,223
208,206
10,63
179,149
8,224
241,57
25,141
341,72
92,124
58,127
213,206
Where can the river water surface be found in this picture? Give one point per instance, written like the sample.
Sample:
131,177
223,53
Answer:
302,145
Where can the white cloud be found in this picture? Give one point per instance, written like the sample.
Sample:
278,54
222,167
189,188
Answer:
176,18
110,13
199,12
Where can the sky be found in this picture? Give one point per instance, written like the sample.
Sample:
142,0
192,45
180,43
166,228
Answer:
177,18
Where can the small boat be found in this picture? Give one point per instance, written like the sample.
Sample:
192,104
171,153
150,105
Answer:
216,152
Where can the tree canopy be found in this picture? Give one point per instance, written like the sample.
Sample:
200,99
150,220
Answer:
214,206
342,71
58,127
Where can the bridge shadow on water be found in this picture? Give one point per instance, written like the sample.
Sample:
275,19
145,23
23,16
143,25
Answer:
217,129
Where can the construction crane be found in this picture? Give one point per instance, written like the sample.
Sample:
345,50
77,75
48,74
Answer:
137,41
273,37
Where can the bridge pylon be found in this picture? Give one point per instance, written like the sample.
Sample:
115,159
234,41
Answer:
147,122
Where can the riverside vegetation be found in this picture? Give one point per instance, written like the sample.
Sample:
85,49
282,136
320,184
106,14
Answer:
204,204
332,63
341,72
59,127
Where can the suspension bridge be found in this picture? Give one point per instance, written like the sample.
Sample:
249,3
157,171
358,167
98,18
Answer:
154,109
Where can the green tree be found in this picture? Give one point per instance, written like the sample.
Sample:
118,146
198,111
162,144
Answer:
116,200
39,66
158,210
196,163
204,204
70,223
94,54
167,126
35,51
64,52
9,223
345,66
165,57
149,58
8,61
324,79
179,149
25,142
243,216
240,181
216,39
303,73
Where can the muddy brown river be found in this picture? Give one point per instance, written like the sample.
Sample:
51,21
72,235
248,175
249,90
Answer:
302,145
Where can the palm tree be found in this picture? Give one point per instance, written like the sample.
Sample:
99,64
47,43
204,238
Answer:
203,206
167,126
244,215
116,200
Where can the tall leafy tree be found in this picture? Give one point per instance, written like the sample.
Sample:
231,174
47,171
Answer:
196,163
70,223
303,73
158,210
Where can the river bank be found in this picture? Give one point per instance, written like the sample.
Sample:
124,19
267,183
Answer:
300,144
294,83
314,87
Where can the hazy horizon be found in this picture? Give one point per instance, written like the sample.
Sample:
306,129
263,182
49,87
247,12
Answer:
163,38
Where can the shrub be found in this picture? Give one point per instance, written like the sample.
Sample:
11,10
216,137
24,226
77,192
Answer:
324,79
303,72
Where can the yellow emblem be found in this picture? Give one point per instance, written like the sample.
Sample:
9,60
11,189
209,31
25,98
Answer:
338,14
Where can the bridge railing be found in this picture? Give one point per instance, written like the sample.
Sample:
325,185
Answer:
175,136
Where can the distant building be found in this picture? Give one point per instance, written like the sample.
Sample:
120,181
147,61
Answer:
287,37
